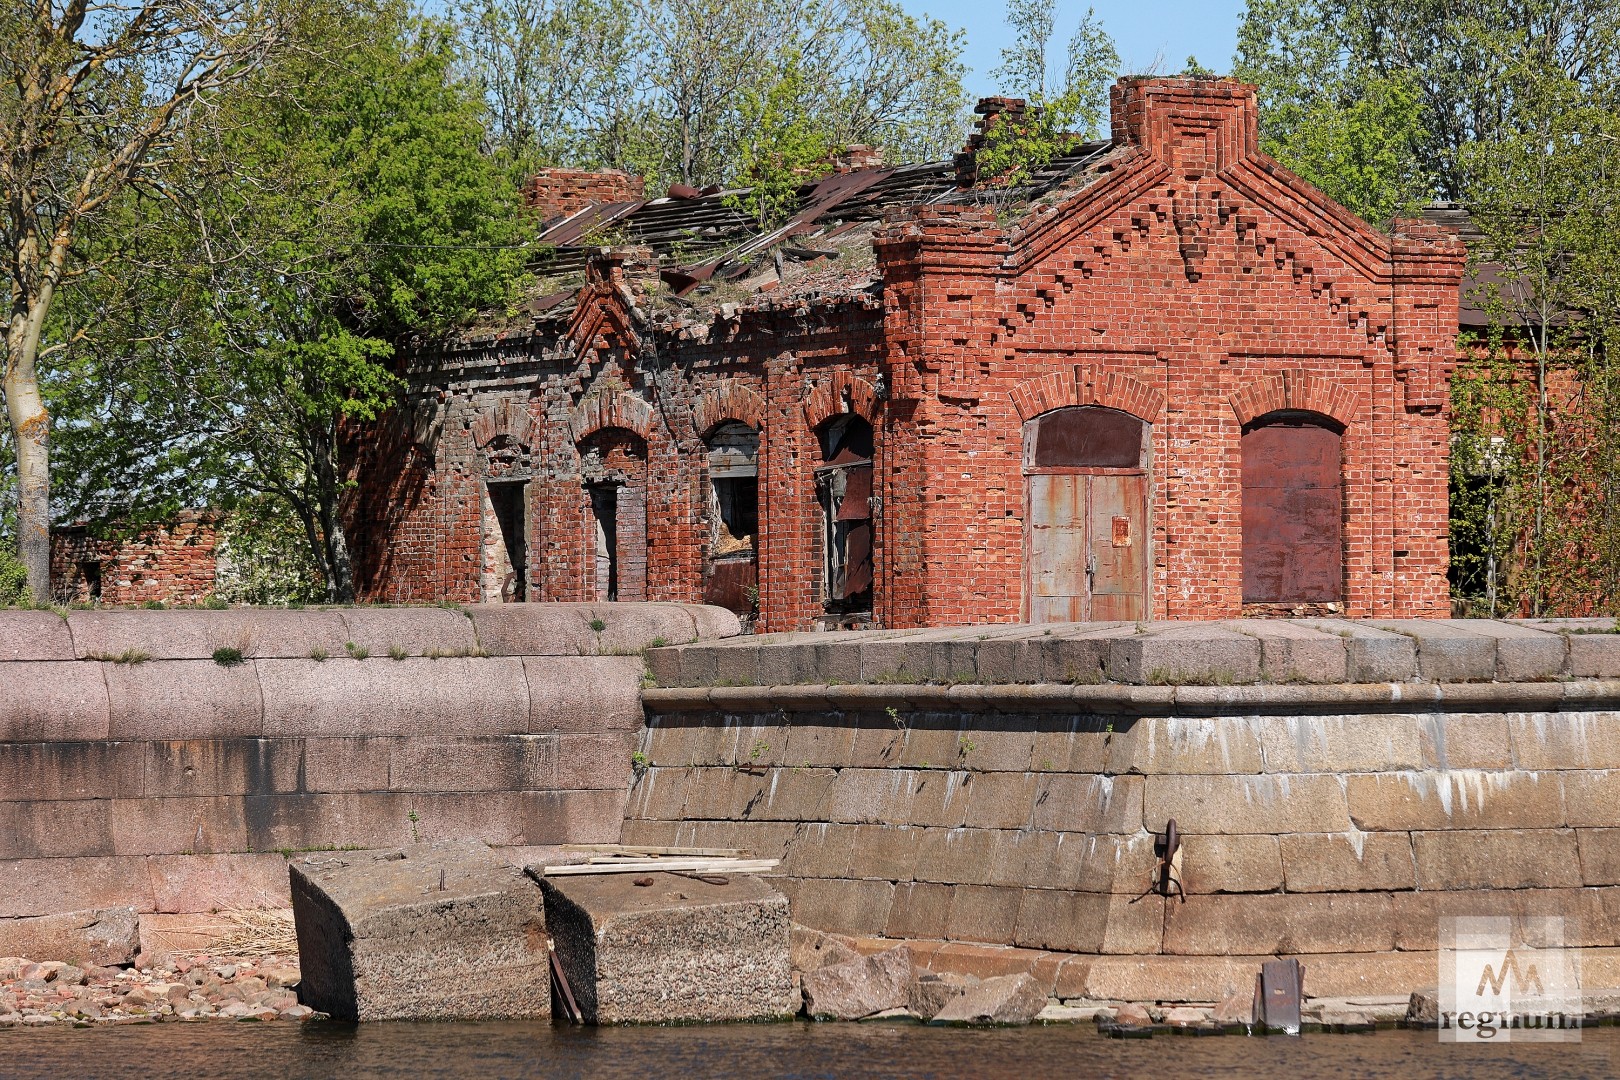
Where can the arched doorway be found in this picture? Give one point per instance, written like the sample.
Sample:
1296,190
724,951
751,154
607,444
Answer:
1086,522
613,467
1293,510
844,489
731,575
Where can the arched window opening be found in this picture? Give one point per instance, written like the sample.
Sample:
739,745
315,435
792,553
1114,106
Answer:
613,468
1086,524
844,489
731,578
1293,510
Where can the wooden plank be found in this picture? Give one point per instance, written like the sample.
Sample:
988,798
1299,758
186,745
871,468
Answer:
690,866
652,849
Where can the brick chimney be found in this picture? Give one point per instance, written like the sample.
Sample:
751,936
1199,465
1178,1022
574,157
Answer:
556,193
991,111
1196,125
857,156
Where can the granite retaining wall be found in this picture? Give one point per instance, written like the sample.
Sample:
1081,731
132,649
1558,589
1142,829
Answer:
143,763
1402,772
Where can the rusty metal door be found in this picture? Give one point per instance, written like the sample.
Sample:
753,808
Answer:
1085,547
1293,514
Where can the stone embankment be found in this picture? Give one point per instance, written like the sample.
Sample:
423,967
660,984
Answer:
173,761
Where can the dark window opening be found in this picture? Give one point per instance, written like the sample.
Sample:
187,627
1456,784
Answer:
90,573
507,501
605,512
734,480
844,488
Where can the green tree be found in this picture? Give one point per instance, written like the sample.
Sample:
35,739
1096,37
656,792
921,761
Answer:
1059,115
343,202
92,100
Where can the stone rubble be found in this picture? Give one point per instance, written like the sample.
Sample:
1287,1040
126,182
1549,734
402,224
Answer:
35,993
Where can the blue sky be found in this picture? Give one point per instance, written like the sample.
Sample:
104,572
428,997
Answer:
1145,31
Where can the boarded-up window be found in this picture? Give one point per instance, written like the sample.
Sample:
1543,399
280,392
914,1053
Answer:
1293,512
844,486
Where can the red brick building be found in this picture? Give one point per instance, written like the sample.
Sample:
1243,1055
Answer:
174,562
1164,378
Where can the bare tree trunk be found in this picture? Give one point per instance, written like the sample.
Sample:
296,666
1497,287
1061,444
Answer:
31,436
335,550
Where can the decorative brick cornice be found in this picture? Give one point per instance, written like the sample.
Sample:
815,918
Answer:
729,399
510,418
1295,390
1083,384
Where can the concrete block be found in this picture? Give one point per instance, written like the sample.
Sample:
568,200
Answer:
884,852
837,663
841,905
665,666
1290,652
1340,744
900,796
34,635
420,631
47,886
1279,924
107,937
573,817
1600,856
1082,744
502,762
1088,803
1268,803
388,697
221,767
712,623
1404,801
879,740
1361,976
426,932
935,741
1465,741
659,794
361,763
201,825
1594,656
684,740
860,986
203,883
813,742
1170,978
1523,654
677,950
1086,862
983,913
1169,653
628,628
46,830
1447,650
735,665
919,910
1230,864
820,849
995,744
49,701
195,634
183,699
593,761
1592,799
1000,800
69,770
1588,914
793,794
1549,741
1065,921
573,694
1497,859
534,629
1186,744
1371,655
1348,862
954,856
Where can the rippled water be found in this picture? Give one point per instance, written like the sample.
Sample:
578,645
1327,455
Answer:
800,1051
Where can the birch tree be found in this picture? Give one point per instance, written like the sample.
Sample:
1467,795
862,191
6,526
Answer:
92,97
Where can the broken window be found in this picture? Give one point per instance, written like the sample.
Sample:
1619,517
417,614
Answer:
844,487
731,576
506,500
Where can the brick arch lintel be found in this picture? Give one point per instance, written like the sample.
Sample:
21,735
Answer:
1295,390
839,394
615,409
1083,384
729,399
510,418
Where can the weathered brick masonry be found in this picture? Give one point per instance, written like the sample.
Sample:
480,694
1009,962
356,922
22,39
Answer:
1075,408
175,563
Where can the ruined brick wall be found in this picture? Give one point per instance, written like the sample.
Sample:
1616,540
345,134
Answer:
558,192
173,563
1200,288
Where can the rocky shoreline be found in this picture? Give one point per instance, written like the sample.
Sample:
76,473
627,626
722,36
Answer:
202,987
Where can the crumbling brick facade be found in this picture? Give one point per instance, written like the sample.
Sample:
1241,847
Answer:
173,563
1178,284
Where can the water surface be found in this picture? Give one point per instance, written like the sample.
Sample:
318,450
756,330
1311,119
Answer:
791,1051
